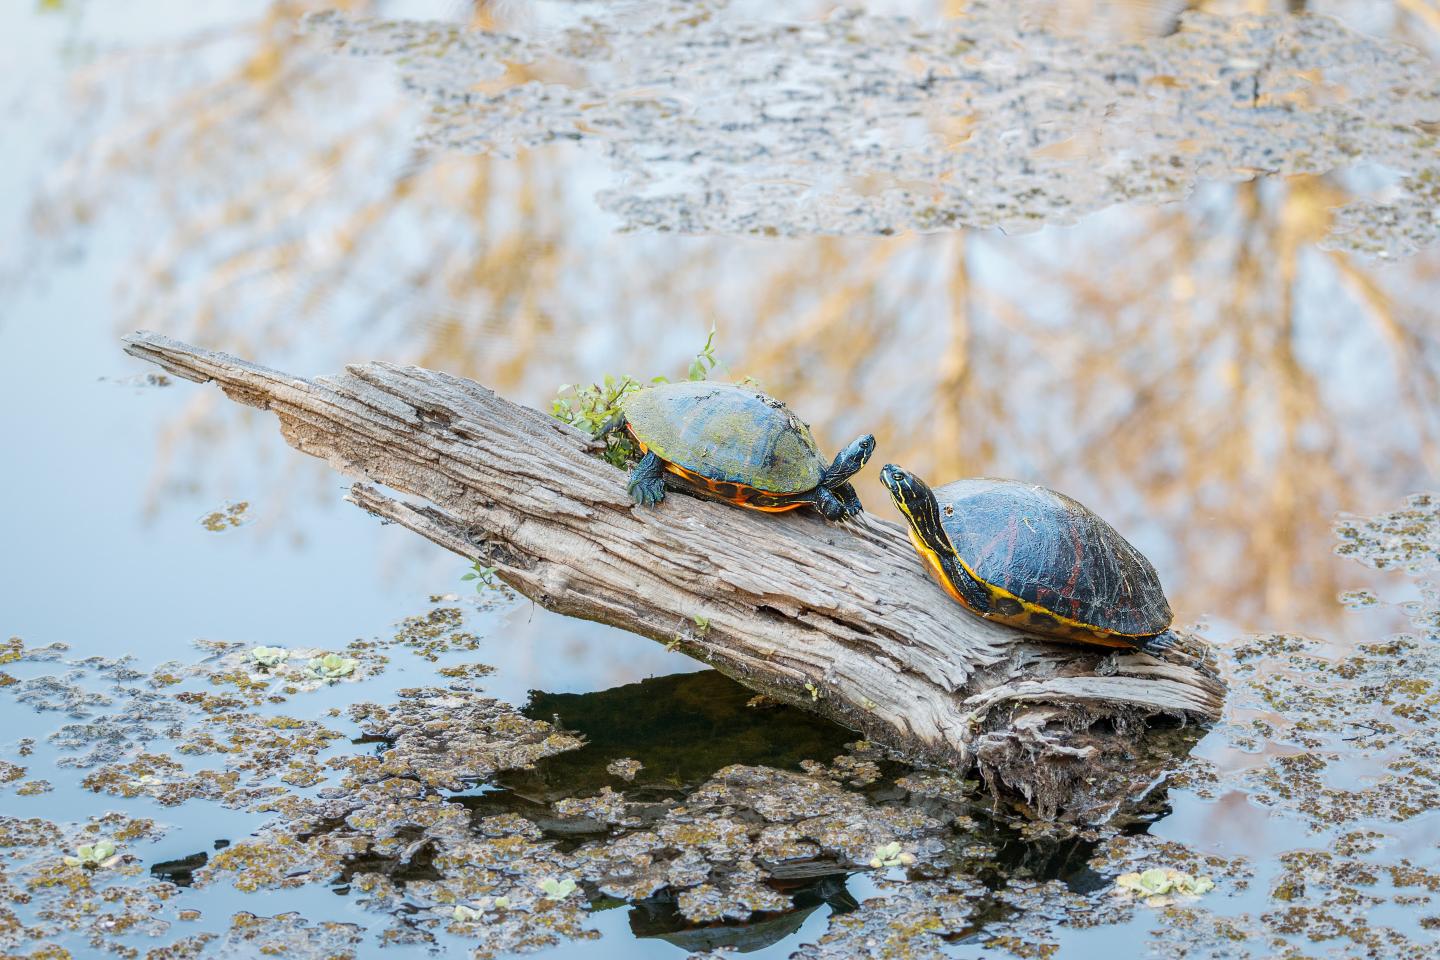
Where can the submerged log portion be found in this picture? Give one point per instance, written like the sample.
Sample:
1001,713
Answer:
841,620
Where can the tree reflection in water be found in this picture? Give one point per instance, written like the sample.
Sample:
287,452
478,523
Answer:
1203,373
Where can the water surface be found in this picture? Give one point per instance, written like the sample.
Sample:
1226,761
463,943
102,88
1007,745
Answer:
998,280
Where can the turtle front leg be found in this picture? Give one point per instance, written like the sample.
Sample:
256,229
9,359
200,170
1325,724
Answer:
647,481
849,499
829,505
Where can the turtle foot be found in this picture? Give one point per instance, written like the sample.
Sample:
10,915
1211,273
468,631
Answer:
1159,643
647,491
647,481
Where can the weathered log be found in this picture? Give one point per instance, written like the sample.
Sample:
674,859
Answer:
838,619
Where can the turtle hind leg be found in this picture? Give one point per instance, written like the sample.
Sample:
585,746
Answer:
1157,644
647,481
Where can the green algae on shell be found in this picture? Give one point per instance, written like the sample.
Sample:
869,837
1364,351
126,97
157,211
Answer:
728,432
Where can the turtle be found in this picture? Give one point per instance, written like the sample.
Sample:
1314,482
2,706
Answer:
739,445
1025,555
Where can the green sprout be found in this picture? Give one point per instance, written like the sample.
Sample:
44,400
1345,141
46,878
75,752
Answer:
593,408
557,889
702,624
890,855
705,360
93,856
268,658
332,666
814,690
483,576
596,407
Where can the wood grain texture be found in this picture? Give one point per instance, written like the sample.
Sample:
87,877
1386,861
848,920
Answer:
841,620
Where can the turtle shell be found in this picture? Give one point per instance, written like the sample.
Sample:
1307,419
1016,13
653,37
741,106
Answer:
726,432
1054,553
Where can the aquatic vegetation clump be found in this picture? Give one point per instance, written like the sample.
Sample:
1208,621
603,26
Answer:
907,920
1377,705
1407,539
891,855
624,768
92,856
332,666
557,889
87,898
433,634
982,120
283,935
476,738
228,517
269,657
1159,881
714,852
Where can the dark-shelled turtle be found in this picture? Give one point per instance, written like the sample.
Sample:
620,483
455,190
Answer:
1036,559
738,444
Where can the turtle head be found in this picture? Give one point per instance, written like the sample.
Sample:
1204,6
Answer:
849,461
914,498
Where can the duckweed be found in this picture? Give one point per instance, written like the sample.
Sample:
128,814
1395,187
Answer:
447,814
226,518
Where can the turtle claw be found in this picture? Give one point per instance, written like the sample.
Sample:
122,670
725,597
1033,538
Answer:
647,481
1159,643
849,501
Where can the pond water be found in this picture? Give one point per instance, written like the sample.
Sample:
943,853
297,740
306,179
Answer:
1181,267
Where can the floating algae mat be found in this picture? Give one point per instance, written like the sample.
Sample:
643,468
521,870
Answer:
255,800
868,124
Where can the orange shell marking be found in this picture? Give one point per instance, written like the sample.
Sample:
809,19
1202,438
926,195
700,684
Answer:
736,493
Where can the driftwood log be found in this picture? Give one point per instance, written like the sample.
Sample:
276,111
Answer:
839,619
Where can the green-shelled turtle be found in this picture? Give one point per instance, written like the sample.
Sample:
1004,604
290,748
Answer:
738,444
